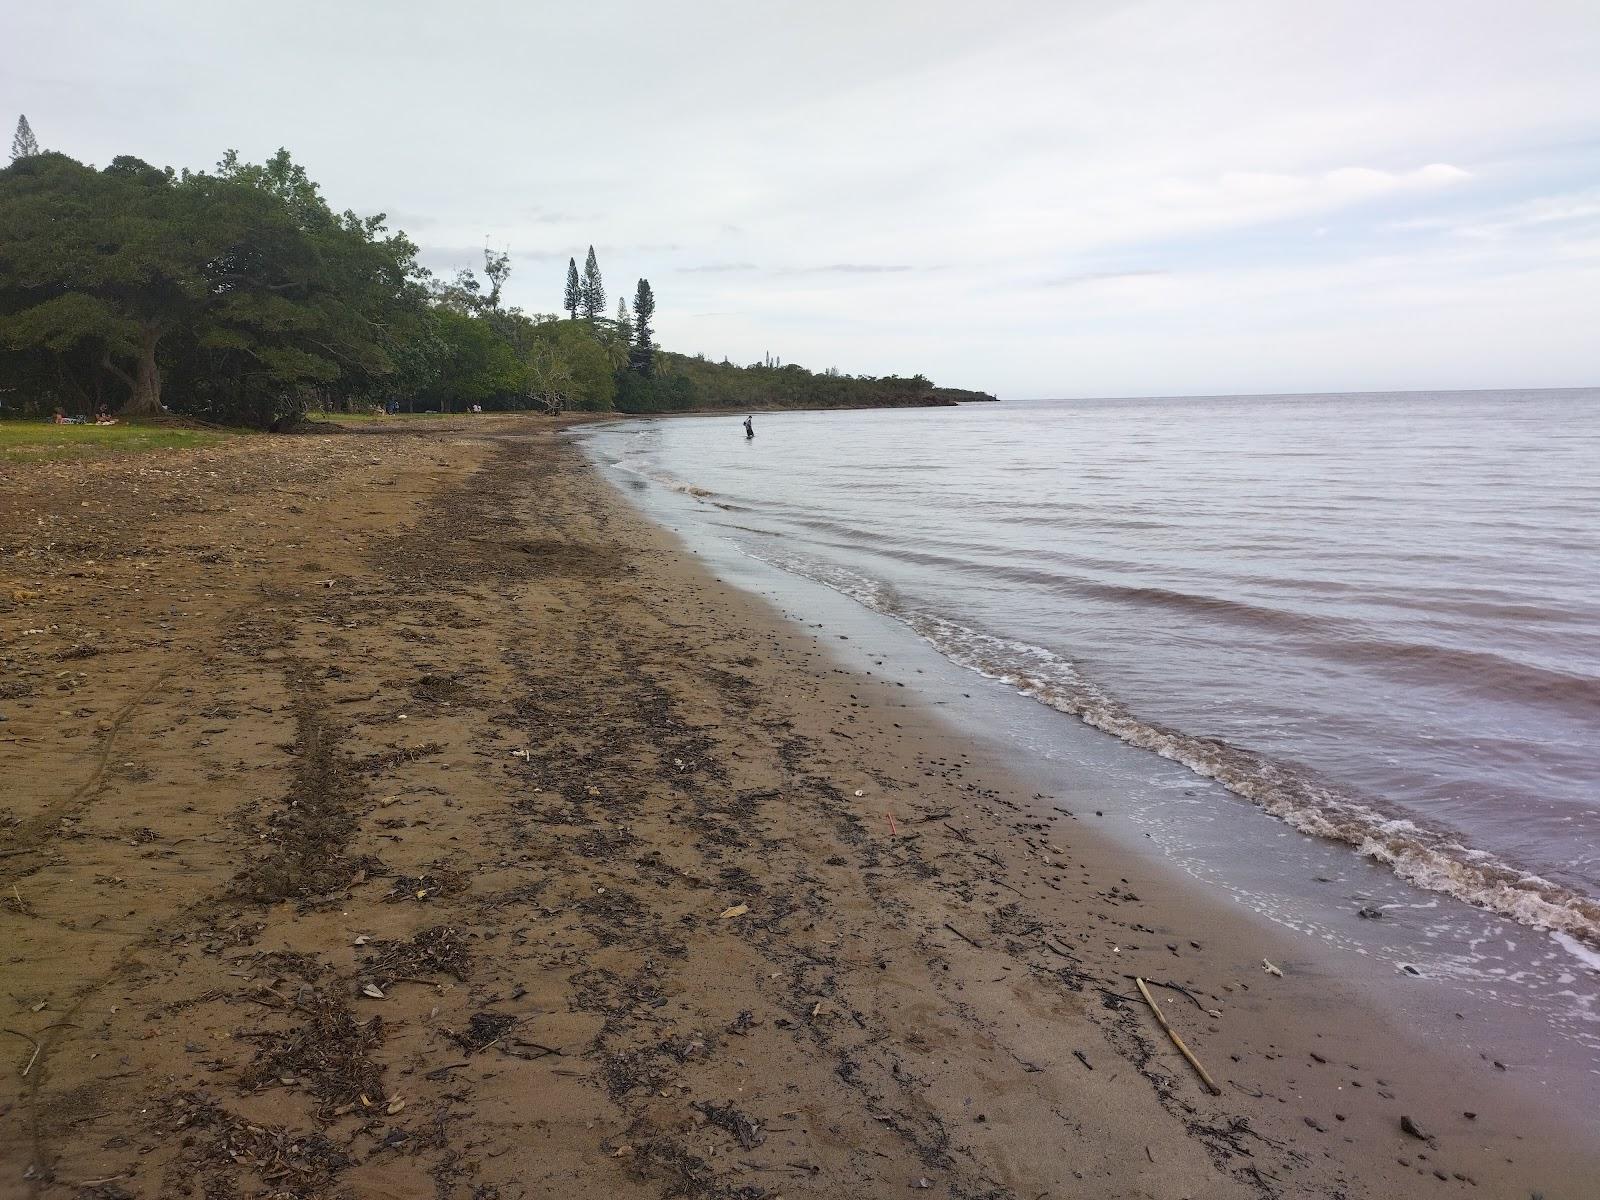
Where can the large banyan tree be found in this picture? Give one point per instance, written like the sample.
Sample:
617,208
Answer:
235,295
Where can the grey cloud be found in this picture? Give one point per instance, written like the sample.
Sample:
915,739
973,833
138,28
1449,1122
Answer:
474,254
1051,168
402,219
451,253
1099,277
825,269
856,268
541,216
718,268
638,248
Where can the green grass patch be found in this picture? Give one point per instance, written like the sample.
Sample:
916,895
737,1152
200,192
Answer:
41,441
371,418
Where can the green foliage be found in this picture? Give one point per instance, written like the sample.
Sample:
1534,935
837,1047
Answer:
568,368
572,300
642,358
497,267
639,393
33,441
23,143
724,385
592,293
462,294
93,267
240,290
475,365
623,325
240,296
306,303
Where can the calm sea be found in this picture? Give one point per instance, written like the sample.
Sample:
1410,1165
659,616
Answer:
1376,616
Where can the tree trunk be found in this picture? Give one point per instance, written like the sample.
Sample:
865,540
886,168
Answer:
146,398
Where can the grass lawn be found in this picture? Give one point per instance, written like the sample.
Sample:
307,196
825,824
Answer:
39,441
337,418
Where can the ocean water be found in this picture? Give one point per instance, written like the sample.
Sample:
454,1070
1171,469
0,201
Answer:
1375,617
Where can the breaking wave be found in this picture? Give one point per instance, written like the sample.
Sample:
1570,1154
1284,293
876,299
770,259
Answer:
1428,858
664,478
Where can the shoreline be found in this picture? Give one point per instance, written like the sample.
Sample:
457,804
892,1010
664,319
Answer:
463,703
1325,860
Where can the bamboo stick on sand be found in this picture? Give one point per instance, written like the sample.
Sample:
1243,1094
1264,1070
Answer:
1176,1040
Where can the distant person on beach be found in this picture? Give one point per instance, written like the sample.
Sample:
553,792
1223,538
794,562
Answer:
749,428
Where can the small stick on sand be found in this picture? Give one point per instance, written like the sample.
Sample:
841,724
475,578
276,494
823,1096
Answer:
1176,1040
34,1057
962,936
540,1047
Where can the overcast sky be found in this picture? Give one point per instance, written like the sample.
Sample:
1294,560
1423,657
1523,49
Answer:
1044,199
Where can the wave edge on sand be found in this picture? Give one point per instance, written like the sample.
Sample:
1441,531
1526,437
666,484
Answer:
1430,859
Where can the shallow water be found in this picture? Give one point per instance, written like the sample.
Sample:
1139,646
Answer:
1378,616
1374,617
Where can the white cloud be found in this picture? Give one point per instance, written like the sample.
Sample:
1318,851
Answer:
1235,194
1561,214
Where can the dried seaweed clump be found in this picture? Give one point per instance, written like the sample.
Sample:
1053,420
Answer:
483,1031
328,1055
441,950
420,888
229,1156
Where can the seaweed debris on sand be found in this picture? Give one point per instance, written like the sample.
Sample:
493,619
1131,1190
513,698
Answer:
400,813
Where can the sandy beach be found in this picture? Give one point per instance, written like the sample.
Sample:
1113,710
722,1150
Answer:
398,813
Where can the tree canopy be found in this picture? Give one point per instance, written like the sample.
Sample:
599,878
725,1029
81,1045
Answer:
642,361
23,143
241,281
239,295
592,292
572,300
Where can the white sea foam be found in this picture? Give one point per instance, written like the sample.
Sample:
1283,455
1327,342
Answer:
1426,858
1587,955
665,479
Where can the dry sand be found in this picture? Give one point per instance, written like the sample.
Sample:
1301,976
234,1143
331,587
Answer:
398,814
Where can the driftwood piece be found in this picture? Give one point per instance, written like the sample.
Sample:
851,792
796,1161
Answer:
1178,1041
962,936
34,1057
1182,991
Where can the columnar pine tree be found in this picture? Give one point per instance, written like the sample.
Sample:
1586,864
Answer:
594,292
642,359
574,295
23,143
624,322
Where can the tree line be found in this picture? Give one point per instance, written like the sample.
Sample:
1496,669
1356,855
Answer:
240,296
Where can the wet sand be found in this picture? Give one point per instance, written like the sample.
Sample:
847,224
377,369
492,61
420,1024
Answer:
399,814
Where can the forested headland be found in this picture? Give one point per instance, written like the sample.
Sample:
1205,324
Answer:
240,296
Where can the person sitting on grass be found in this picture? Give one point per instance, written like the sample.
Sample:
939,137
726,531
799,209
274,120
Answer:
104,417
60,417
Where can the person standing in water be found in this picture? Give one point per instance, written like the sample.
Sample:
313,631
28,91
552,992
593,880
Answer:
749,429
